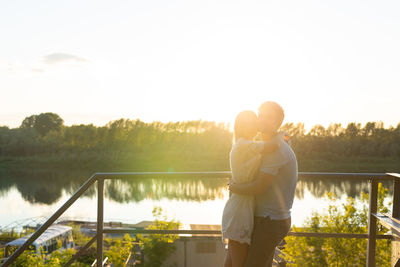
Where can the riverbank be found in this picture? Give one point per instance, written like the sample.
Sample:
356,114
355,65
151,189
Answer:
92,161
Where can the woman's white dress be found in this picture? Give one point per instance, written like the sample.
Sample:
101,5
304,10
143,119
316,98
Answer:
238,215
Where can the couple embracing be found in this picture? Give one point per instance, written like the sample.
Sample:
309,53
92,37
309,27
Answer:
256,217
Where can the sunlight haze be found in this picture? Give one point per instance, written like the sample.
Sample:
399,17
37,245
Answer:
96,61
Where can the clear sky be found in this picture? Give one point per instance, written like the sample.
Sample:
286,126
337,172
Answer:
94,61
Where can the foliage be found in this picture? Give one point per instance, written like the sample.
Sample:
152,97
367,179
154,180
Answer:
28,259
80,240
55,259
157,247
7,236
43,123
120,145
312,251
119,252
128,145
336,143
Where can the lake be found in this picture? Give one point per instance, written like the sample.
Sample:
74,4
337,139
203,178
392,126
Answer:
25,195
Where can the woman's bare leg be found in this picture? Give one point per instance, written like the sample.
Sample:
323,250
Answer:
237,252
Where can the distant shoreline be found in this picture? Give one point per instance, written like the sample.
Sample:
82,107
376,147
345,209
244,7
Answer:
133,162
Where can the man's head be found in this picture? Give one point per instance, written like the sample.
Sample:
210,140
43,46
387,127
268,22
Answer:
270,117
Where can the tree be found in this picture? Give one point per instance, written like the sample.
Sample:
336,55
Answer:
293,130
158,247
314,251
29,122
120,251
335,129
352,129
318,130
369,128
43,123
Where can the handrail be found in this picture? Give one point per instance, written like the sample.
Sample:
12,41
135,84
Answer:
218,232
100,177
395,175
228,174
50,221
125,175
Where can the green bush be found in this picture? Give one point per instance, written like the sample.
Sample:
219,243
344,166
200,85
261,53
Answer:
313,251
158,247
119,251
55,259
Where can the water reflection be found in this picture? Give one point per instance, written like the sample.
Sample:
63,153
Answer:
42,187
48,187
178,189
319,187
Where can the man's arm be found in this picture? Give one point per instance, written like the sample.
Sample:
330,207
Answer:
257,187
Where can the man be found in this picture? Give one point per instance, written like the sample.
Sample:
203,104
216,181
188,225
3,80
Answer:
274,189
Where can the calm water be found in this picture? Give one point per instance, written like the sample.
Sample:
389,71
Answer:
26,195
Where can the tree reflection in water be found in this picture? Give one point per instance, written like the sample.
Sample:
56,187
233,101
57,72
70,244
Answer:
41,186
48,187
318,187
170,188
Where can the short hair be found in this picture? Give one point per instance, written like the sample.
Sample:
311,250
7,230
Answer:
272,107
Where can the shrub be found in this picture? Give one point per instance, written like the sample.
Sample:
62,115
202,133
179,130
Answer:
313,251
158,247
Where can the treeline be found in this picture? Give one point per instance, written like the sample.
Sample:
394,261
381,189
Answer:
352,148
43,140
372,139
121,144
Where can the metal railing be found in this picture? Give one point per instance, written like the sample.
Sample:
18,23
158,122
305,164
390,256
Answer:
373,216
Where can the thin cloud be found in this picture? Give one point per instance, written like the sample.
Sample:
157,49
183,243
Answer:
37,70
56,58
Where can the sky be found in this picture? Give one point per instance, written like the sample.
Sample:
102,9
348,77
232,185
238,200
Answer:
94,61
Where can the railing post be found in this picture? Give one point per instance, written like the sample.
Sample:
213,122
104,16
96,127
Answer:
396,215
396,199
100,220
184,252
373,207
